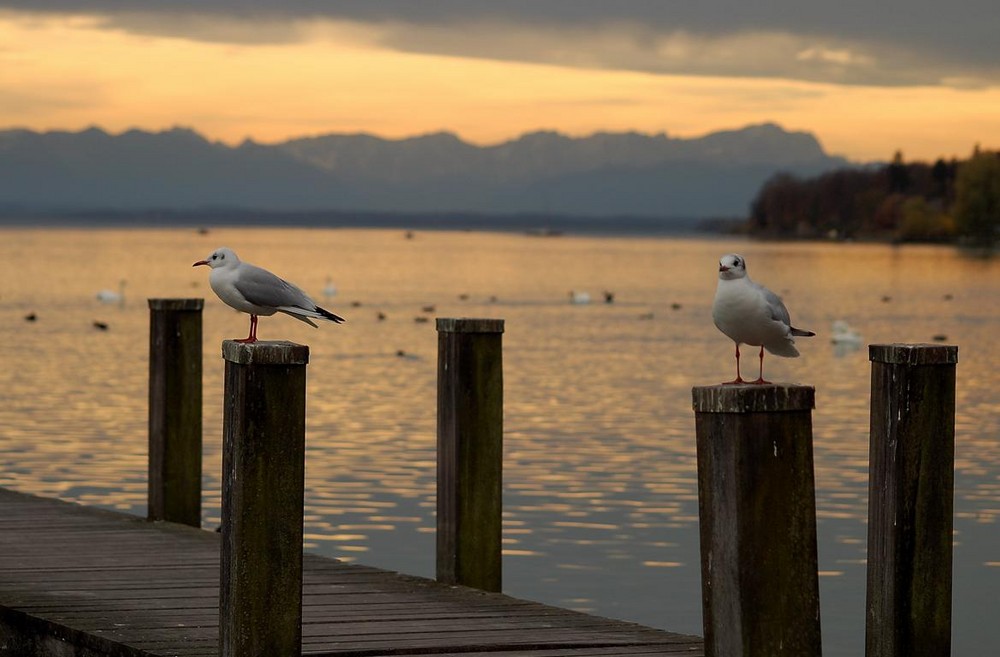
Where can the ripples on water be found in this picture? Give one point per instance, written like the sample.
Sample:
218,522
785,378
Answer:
600,490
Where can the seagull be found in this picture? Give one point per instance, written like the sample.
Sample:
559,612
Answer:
579,298
256,291
752,314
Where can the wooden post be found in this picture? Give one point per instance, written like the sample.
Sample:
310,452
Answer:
757,506
910,500
263,477
470,452
175,410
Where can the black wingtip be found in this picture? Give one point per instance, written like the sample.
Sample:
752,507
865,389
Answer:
330,316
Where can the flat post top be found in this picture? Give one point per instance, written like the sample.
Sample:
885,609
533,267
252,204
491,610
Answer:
267,352
913,354
753,398
176,304
467,325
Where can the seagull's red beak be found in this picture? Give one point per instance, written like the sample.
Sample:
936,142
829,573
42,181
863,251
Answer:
200,262
721,267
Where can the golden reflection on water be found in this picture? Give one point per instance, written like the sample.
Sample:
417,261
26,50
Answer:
599,471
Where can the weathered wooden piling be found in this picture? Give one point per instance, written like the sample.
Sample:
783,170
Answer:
757,508
175,395
263,479
470,452
910,500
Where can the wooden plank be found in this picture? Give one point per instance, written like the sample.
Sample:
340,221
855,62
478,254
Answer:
116,596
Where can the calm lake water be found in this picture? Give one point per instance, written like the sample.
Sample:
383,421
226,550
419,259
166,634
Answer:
600,497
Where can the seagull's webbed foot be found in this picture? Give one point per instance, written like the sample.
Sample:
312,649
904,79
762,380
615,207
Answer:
761,381
253,332
739,378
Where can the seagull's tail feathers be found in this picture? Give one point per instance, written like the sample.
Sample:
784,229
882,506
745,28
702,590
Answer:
802,333
304,314
784,348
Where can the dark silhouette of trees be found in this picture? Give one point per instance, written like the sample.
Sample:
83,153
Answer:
977,198
899,201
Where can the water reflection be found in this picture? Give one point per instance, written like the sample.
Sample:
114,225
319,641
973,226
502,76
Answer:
600,495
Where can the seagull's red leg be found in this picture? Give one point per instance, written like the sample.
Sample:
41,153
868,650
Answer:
760,379
738,379
253,331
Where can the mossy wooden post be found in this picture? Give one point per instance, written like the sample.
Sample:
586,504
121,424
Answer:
910,500
263,477
757,508
175,410
470,452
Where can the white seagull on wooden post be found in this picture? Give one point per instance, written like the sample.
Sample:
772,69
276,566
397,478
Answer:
256,291
752,314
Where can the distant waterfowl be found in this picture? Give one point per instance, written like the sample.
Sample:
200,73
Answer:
110,296
675,306
842,333
609,297
255,291
30,317
940,337
579,298
100,326
420,319
428,309
751,314
463,297
329,290
381,316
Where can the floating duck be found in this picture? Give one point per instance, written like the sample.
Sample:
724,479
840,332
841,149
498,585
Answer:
579,298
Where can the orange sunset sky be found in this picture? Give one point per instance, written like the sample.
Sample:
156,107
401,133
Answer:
492,71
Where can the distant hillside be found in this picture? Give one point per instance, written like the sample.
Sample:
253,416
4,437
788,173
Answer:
544,172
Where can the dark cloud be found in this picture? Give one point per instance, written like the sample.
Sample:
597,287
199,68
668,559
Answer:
898,42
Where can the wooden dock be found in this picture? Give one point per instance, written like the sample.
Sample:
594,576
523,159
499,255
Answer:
85,582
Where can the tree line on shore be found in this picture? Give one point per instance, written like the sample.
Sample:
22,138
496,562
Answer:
947,201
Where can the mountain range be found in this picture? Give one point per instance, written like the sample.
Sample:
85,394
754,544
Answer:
605,174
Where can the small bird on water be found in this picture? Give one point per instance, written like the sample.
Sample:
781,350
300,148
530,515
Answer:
752,314
256,291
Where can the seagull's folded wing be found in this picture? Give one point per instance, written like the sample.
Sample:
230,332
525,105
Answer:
262,288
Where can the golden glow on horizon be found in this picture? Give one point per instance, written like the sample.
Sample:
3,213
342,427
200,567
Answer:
71,73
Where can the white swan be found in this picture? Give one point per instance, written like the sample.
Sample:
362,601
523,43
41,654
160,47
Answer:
842,333
579,297
845,339
110,296
330,290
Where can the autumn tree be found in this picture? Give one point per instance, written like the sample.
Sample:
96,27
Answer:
977,198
